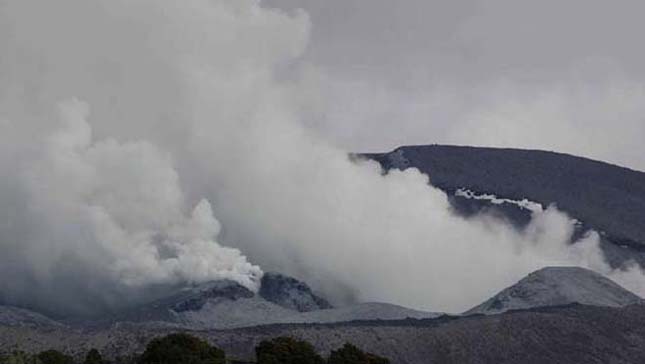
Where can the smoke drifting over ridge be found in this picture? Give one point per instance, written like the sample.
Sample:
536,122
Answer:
183,120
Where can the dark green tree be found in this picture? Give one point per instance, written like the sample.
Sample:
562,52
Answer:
181,348
19,357
286,350
55,357
93,357
127,359
350,354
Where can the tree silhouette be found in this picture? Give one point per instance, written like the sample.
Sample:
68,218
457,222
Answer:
350,354
93,357
285,350
181,348
55,357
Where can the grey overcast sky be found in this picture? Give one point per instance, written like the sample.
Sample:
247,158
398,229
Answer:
557,75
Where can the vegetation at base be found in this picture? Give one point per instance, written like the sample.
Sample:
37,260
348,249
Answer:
19,357
286,350
54,357
181,348
45,357
350,354
188,349
93,357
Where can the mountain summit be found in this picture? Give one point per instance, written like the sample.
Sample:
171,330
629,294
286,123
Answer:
557,286
290,293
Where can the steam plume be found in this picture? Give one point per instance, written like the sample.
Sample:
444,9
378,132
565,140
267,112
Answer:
189,104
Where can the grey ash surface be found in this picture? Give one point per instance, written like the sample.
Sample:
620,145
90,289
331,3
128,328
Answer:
572,333
566,334
227,304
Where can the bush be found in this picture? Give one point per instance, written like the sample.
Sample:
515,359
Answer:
285,350
181,348
19,357
93,357
55,357
350,354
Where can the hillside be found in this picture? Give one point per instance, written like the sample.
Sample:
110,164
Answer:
604,197
558,286
565,334
227,304
20,317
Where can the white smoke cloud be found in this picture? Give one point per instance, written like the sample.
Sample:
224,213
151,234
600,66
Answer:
189,101
116,210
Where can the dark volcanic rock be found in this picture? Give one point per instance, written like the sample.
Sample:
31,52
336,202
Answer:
227,305
290,293
221,289
186,300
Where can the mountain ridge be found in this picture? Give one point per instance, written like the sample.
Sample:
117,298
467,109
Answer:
606,198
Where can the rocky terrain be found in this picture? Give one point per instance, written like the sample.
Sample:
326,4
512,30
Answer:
558,286
227,304
557,314
290,293
564,334
221,305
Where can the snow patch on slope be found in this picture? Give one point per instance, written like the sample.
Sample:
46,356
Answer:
524,203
